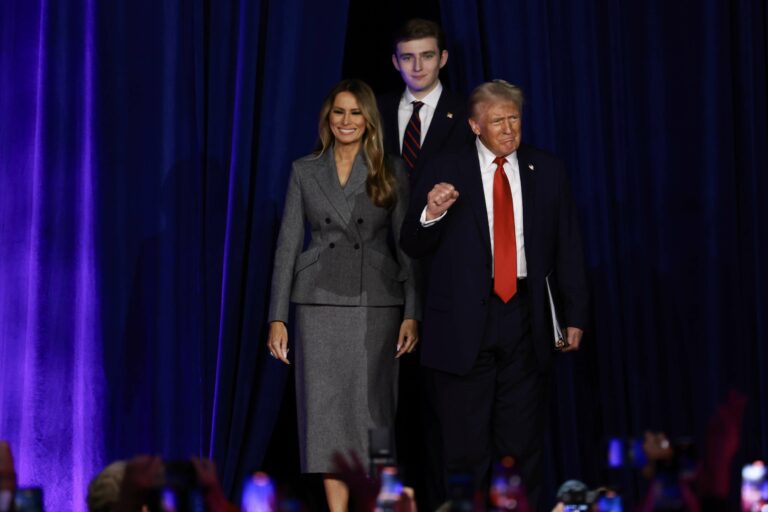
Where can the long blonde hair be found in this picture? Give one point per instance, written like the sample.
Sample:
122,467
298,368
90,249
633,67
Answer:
380,184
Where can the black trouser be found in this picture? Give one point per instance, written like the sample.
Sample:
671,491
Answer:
419,445
497,408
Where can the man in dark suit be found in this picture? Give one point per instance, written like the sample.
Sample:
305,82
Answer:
437,118
496,220
419,122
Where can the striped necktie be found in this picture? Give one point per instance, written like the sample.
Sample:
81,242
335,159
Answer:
412,138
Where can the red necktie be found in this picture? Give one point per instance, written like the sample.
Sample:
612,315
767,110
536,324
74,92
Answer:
412,138
504,246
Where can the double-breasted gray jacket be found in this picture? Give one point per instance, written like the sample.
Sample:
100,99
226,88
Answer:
349,260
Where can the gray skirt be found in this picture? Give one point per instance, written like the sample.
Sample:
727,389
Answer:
346,380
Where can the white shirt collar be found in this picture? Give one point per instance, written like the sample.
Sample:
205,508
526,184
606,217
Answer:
430,99
487,157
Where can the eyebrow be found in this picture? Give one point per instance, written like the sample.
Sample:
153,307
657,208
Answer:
500,118
411,54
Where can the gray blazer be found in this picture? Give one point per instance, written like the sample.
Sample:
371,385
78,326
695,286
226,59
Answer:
349,261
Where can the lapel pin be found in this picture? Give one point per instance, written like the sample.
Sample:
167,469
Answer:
449,115
530,166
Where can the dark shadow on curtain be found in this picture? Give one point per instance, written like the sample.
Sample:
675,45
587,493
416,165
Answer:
226,97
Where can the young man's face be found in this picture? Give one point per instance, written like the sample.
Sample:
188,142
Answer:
419,62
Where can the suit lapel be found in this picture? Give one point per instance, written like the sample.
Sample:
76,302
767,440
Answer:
441,124
472,189
328,181
528,186
357,177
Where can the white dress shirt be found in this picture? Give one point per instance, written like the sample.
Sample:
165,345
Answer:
427,112
512,172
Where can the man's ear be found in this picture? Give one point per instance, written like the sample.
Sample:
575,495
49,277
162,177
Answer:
443,58
395,62
474,126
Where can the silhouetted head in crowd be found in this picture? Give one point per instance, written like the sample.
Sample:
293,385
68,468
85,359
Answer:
104,489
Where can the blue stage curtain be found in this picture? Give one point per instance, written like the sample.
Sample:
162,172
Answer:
144,152
659,110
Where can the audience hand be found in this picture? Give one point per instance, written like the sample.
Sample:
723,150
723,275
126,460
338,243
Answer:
407,501
7,476
723,437
208,480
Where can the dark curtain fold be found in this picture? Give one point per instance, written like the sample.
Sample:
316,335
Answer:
234,92
145,150
659,110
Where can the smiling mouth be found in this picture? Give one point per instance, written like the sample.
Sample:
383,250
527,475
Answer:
347,131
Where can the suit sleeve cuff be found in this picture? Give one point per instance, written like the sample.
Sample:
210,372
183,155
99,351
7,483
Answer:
427,223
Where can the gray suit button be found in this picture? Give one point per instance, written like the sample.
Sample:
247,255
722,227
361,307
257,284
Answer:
359,221
331,245
327,220
357,246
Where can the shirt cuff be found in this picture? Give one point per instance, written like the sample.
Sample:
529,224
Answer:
427,223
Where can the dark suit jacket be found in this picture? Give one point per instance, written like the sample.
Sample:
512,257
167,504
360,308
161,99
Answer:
460,280
448,130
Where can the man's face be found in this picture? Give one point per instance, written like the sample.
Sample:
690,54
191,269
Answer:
419,62
498,124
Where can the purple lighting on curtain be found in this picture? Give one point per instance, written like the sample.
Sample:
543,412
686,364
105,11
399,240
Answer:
50,343
237,120
87,399
29,348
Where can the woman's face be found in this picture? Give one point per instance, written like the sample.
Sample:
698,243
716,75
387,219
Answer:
346,119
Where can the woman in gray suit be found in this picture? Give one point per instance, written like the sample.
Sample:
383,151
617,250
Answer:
357,308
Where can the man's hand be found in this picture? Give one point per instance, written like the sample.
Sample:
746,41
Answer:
574,335
439,199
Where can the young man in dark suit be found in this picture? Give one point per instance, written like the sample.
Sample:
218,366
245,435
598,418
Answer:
420,122
424,119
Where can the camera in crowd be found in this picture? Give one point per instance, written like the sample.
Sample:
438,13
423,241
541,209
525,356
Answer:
381,450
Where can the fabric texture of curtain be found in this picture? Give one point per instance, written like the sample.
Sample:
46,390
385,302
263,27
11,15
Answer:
144,153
